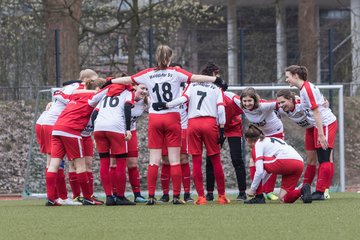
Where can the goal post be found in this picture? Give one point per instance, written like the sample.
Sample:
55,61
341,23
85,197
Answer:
340,119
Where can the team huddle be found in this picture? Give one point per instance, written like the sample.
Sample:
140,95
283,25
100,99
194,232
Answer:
186,112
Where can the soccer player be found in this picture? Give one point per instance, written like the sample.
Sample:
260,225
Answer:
261,114
184,157
111,132
233,133
324,133
66,139
61,99
273,155
206,106
164,126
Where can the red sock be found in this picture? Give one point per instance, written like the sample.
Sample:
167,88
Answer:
74,184
61,184
105,175
331,175
120,176
51,178
309,174
197,175
176,177
91,182
83,181
323,176
218,173
134,179
151,178
185,169
269,186
252,170
113,179
165,178
292,196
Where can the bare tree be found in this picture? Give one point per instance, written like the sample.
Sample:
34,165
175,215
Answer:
308,37
64,16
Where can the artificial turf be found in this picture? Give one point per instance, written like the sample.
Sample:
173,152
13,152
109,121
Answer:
336,218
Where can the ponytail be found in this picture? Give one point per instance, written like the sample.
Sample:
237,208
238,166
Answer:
254,133
163,56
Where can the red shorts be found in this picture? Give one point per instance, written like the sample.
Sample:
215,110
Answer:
330,135
88,146
133,145
46,135
278,135
310,139
40,138
71,146
203,130
110,142
290,169
164,130
184,144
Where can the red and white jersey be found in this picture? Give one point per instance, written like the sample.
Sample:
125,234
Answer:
77,113
163,85
264,117
61,99
311,98
204,99
40,120
111,117
233,124
271,149
299,116
136,112
266,153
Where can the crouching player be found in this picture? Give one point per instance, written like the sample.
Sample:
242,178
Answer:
273,155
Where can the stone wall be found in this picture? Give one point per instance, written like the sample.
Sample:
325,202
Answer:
15,133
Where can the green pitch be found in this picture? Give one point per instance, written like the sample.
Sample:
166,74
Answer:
337,218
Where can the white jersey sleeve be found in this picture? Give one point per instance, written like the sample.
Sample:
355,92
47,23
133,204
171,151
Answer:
311,98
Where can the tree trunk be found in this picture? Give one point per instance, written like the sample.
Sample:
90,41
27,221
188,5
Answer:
133,38
355,41
280,40
232,42
63,15
308,37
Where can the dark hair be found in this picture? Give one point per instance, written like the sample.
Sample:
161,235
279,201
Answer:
286,93
71,82
301,71
250,92
175,65
254,133
210,69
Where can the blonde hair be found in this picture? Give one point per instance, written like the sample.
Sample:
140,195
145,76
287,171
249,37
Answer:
163,56
91,84
87,73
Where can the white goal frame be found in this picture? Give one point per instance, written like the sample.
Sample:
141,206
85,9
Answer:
340,119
